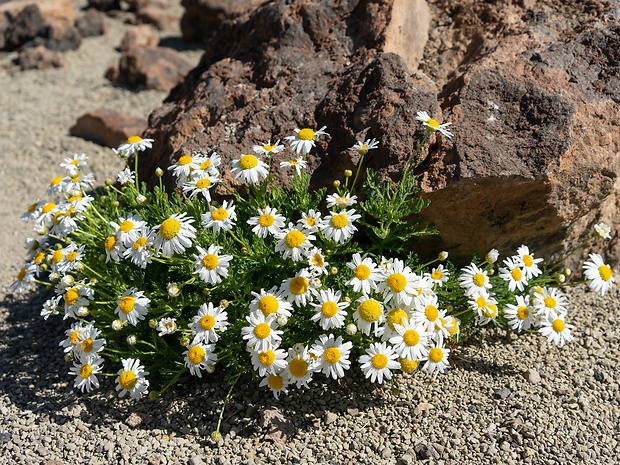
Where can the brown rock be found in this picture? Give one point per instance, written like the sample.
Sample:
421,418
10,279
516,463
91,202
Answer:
40,57
277,427
23,26
104,5
92,23
152,67
138,4
139,36
161,18
107,127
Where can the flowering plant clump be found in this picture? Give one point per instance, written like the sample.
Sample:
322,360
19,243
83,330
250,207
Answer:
282,283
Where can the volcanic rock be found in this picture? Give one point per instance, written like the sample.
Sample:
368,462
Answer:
40,57
104,5
107,127
139,36
161,18
92,23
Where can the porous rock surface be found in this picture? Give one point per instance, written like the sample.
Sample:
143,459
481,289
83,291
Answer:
532,90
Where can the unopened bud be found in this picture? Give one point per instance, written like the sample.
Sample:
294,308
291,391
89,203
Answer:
315,283
347,299
67,280
333,270
153,395
185,341
224,303
102,257
68,357
492,256
132,339
351,329
159,172
153,323
79,267
82,312
443,255
348,173
560,278
336,183
116,204
140,199
117,325
216,436
298,348
109,182
173,290
54,277
567,271
282,320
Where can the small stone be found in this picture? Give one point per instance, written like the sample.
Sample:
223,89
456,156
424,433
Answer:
406,459
386,452
533,376
423,407
278,428
136,419
330,418
154,460
353,412
195,460
502,393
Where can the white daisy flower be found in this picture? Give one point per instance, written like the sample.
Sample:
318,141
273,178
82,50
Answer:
304,139
24,280
330,311
210,265
269,361
513,274
379,361
184,166
342,201
202,185
166,326
427,312
84,370
550,302
411,341
198,357
76,297
50,307
56,186
44,213
602,230
396,315
78,160
366,274
174,235
363,147
125,177
268,149
433,125
220,218
74,337
207,321
33,210
298,290
297,163
268,221
132,379
310,220
208,165
528,262
316,261
437,360
333,355
519,316
114,249
128,228
78,183
339,227
438,275
556,330
277,383
300,367
485,307
79,203
474,280
261,334
399,283
293,243
89,344
139,252
598,275
270,303
369,315
250,169
132,306
134,144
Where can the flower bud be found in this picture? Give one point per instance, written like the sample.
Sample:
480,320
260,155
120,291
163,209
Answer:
560,278
185,341
132,339
159,172
153,395
298,348
153,323
54,277
116,204
282,320
244,250
348,173
336,183
443,255
347,299
224,304
68,357
79,267
216,436
117,325
567,271
173,290
333,270
351,329
109,182
492,256
102,257
140,199
67,281
315,283
82,312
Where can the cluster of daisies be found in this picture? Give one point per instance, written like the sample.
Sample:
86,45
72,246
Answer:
352,306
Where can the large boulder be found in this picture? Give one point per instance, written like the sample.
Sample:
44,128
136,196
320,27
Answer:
532,90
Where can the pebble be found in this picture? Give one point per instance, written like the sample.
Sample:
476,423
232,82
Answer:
503,393
533,376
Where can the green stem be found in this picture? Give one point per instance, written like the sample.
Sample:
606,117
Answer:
219,421
357,172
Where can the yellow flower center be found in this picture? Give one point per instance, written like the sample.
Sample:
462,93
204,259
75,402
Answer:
478,279
71,256
74,337
317,260
299,285
86,370
523,312
110,243
516,274
267,358
294,239
490,311
276,382
210,261
205,165
329,309
38,258
550,302
71,296
605,272
140,242
370,310
339,221
75,178
196,355
57,218
407,365
431,312
185,160
396,316
311,221
411,337
294,162
22,274
219,214
128,380
170,228
298,367
268,305
268,148
48,207
379,361
203,183
74,198
134,139
266,220
207,322
436,275
126,226
247,162
87,345
361,272
332,355
397,282
454,327
127,304
32,208
306,134
558,325
434,124
527,260
435,355
55,181
262,330
57,256
481,302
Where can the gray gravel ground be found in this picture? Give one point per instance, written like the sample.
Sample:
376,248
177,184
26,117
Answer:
489,409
